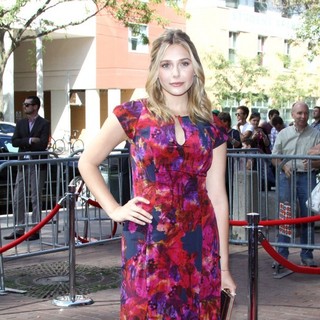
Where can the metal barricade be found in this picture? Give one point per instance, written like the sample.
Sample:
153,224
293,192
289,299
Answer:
250,189
92,224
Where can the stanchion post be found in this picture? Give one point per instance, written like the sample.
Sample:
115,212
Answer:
72,247
253,226
2,287
72,299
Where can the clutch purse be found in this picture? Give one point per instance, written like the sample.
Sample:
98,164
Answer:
227,300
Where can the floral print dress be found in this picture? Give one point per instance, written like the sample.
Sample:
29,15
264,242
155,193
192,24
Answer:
171,266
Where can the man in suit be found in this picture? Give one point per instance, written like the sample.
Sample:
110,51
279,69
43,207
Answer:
31,134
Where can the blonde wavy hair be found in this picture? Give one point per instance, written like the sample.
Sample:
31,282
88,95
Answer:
199,105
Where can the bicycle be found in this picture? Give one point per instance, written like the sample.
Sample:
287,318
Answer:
74,144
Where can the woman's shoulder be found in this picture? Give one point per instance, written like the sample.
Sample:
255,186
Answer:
132,108
134,105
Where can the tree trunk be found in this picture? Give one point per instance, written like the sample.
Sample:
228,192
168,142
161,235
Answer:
1,83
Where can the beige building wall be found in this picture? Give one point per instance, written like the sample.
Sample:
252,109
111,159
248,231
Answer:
95,57
211,21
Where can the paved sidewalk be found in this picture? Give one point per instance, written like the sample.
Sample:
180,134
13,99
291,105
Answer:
294,297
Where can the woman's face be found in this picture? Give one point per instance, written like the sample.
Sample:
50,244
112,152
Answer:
255,121
176,71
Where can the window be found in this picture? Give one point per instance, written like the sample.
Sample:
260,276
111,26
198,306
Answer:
232,3
232,46
260,6
261,43
138,35
286,58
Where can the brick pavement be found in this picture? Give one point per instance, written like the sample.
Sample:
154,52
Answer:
294,297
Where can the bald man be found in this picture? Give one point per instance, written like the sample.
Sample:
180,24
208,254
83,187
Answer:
297,140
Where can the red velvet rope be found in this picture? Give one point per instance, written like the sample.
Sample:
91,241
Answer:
94,203
272,252
31,231
240,223
284,262
45,221
97,205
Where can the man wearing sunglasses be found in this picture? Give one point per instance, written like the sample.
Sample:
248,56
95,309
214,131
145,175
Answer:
245,128
31,135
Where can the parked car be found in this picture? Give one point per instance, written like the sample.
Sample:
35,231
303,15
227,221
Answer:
7,127
6,144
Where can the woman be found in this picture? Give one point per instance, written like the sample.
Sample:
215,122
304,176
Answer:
170,244
259,138
262,142
234,140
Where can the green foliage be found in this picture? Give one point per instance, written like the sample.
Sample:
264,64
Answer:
293,84
309,30
236,81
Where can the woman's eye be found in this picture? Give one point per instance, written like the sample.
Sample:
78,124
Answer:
165,65
185,63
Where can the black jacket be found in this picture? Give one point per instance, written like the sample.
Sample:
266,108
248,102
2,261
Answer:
22,134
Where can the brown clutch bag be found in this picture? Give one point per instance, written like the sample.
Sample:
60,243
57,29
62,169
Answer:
227,300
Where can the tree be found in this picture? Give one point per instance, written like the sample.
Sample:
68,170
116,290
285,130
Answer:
294,84
309,28
22,20
238,81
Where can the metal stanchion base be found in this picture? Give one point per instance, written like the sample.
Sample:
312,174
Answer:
13,290
65,301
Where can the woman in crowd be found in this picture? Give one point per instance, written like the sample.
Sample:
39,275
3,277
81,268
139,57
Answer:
233,134
262,142
259,138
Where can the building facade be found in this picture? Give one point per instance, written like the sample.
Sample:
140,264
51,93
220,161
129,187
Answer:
255,29
89,69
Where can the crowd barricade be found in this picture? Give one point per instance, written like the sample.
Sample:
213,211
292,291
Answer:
92,224
251,188
255,188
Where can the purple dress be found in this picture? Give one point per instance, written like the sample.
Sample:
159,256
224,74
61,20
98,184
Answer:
171,266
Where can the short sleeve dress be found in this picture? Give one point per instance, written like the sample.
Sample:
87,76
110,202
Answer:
170,267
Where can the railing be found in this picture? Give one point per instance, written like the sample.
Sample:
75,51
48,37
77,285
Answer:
251,189
91,222
254,198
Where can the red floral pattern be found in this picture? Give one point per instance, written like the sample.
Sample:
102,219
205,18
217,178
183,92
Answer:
171,266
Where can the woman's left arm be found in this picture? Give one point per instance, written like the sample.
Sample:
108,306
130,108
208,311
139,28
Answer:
217,192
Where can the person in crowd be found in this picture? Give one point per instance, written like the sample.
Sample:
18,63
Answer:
316,116
248,143
297,139
175,228
266,125
260,138
234,140
245,128
277,126
31,134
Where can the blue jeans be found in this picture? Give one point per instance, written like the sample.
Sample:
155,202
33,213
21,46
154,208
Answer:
302,196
